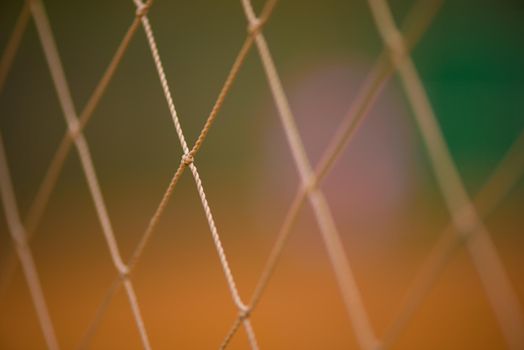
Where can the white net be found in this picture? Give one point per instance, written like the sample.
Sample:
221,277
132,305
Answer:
466,226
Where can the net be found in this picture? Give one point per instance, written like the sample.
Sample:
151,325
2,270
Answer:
466,224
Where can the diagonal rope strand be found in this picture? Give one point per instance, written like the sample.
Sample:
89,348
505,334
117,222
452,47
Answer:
155,219
187,160
38,206
47,185
211,222
340,263
66,102
10,261
12,45
19,236
417,21
506,175
91,330
500,293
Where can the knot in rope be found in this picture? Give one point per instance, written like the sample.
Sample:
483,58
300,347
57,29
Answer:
396,43
123,272
255,26
187,159
141,9
244,313
74,129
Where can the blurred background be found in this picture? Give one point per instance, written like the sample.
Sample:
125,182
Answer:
382,191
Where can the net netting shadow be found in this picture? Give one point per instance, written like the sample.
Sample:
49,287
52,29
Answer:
78,300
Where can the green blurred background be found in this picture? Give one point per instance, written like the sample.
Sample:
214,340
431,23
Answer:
382,190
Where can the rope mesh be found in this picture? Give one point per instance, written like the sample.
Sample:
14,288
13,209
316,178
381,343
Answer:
466,215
